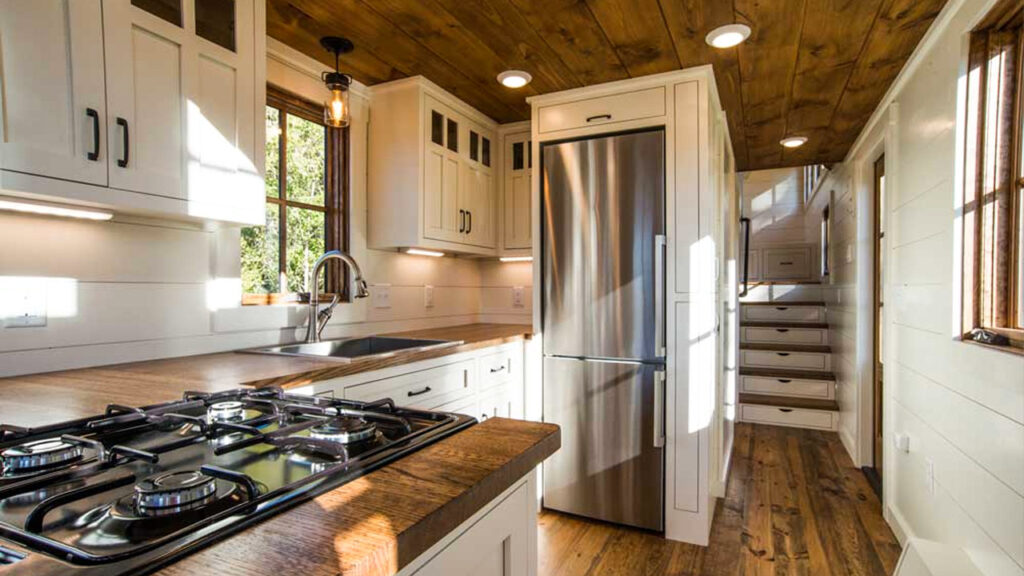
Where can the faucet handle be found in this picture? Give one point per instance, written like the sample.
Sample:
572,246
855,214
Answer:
362,290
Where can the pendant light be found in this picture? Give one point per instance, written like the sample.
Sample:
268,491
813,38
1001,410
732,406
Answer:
336,111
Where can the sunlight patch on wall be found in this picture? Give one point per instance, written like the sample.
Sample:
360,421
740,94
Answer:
37,296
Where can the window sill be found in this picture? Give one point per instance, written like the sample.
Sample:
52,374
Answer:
288,299
283,316
1012,348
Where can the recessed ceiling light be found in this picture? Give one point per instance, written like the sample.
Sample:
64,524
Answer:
793,141
728,36
54,210
419,252
514,78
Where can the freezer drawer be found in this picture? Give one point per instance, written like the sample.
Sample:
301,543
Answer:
611,464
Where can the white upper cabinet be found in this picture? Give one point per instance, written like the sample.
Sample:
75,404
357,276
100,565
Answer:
516,213
173,83
52,96
431,171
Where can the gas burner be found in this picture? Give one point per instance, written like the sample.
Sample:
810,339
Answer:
344,430
174,491
229,411
38,455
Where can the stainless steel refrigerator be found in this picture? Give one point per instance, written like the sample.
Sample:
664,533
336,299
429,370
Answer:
603,266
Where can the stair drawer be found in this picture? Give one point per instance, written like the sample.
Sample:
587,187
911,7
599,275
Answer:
814,336
786,387
798,417
783,313
614,109
427,389
792,360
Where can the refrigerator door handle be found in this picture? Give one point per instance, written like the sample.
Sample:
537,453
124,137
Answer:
660,244
659,409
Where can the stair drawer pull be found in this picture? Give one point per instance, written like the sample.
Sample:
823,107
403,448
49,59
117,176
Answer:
783,353
785,263
787,410
418,392
782,308
785,380
498,369
783,330
599,117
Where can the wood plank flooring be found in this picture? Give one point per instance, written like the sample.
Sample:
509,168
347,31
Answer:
795,505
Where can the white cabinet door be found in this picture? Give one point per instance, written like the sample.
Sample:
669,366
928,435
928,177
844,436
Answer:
442,216
148,76
52,99
496,545
477,200
518,171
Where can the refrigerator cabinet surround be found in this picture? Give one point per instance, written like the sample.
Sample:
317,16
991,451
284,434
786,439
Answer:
603,307
611,464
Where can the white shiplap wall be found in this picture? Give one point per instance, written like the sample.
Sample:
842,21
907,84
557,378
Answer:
961,405
134,289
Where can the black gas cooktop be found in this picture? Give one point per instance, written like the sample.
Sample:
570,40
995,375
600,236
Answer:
134,489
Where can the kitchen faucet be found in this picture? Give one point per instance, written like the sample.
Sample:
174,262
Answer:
318,318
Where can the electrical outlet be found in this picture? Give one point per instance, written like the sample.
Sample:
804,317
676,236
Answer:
23,303
849,253
381,295
428,296
929,476
901,442
518,297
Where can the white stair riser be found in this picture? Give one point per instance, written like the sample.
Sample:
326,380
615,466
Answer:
783,313
795,387
794,417
788,360
815,336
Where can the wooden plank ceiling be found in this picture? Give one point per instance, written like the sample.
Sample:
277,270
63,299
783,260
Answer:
815,68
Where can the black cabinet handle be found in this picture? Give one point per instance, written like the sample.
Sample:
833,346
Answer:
469,227
123,161
498,369
785,380
462,221
417,393
783,353
785,263
783,330
599,117
95,116
781,308
785,409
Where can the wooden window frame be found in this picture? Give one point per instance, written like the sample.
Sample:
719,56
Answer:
336,198
993,182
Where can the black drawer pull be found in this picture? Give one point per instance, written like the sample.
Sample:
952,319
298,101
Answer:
498,369
417,393
785,263
95,116
783,353
599,117
783,330
785,380
782,308
123,161
785,410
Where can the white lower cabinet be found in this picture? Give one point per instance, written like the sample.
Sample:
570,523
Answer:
500,540
425,389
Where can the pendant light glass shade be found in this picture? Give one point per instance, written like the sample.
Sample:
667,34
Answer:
336,110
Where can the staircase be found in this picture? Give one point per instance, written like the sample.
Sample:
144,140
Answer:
786,374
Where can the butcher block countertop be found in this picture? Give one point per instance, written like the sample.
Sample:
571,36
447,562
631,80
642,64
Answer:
41,399
379,523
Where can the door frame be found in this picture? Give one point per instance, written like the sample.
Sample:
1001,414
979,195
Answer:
876,465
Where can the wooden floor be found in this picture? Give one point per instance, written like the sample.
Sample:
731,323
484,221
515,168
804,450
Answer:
795,504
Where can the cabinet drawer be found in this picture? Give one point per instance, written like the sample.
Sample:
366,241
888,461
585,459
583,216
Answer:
787,387
792,360
498,368
814,336
799,417
426,389
785,264
466,406
612,109
783,313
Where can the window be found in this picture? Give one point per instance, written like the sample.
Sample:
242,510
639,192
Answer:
826,237
306,186
994,177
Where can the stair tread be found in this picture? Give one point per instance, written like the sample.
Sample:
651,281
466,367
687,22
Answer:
790,374
789,402
770,324
782,347
783,304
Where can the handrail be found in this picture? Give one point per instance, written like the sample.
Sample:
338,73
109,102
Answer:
745,223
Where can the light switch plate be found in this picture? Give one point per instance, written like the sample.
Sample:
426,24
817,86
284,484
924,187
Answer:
381,295
518,297
849,253
428,296
929,475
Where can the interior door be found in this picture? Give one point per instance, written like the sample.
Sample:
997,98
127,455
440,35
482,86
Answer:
148,84
611,464
53,94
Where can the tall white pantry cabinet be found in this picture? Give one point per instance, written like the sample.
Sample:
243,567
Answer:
139,106
699,188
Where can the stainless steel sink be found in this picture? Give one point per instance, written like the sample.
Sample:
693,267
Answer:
351,349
